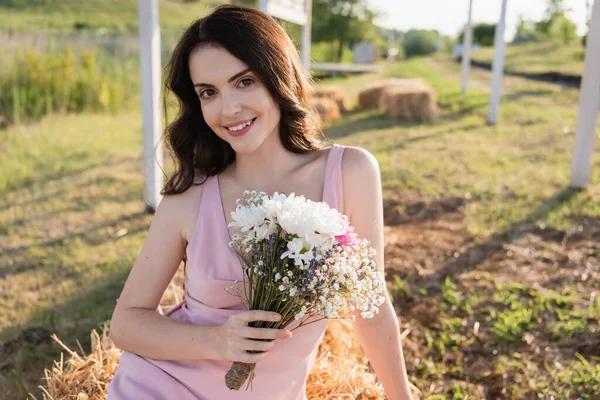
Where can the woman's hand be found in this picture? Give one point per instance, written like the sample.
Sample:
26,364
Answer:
236,341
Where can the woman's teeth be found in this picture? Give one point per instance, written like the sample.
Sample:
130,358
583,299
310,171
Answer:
240,126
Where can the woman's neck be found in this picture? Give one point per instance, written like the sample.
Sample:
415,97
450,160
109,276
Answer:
268,164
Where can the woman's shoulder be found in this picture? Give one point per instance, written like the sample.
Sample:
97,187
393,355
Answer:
359,163
184,208
361,180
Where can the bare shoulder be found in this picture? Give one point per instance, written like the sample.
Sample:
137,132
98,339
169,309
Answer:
361,181
358,163
183,209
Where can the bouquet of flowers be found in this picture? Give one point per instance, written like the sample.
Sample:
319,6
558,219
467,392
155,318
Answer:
302,260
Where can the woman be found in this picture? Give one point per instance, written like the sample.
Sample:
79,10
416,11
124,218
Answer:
245,123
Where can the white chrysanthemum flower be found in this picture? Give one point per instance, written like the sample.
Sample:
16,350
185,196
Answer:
247,218
295,247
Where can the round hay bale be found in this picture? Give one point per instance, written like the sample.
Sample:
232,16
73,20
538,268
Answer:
335,93
327,109
409,103
371,96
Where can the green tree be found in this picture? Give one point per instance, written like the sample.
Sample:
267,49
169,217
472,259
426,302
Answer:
483,34
556,24
345,22
525,31
420,42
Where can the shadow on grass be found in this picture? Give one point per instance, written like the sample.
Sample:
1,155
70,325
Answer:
131,194
478,253
359,121
92,236
60,175
529,93
72,321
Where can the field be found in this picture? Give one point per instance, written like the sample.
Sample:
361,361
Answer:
492,260
110,15
538,57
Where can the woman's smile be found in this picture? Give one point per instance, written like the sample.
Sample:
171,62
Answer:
239,129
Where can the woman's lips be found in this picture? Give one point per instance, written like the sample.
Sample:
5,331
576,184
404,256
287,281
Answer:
242,131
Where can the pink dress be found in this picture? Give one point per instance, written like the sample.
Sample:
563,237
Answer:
211,267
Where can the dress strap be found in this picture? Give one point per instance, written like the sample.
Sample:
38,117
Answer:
206,215
334,189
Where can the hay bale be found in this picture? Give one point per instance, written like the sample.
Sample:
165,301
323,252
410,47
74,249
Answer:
340,369
409,103
335,93
371,95
327,109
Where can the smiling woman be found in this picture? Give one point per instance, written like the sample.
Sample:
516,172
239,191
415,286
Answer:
242,66
244,123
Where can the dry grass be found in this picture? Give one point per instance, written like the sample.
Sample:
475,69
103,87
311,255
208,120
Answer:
340,370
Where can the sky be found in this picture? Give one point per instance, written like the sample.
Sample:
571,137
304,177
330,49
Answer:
449,16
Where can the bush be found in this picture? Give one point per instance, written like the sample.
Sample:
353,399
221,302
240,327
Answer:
35,84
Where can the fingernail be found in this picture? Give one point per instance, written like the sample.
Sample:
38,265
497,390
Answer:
277,317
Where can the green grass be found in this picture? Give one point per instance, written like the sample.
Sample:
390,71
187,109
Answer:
119,15
538,57
504,276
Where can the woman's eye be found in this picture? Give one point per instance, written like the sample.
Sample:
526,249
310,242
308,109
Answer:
247,82
205,94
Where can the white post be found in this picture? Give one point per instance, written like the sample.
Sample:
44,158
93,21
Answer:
497,67
589,97
306,38
298,12
151,77
466,51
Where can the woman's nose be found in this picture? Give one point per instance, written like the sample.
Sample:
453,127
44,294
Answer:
230,106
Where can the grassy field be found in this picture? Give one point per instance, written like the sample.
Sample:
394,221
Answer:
538,57
492,260
119,15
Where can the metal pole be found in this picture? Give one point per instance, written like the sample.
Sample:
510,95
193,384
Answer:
589,97
151,76
466,51
498,67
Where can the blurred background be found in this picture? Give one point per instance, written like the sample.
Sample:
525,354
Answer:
492,257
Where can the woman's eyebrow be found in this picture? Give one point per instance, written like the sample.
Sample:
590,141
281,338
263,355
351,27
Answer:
233,78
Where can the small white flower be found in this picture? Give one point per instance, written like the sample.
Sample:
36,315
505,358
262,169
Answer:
281,288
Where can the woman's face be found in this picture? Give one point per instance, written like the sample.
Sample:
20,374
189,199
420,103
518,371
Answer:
235,104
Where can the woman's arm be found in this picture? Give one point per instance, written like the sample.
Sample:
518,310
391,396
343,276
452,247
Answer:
136,326
379,336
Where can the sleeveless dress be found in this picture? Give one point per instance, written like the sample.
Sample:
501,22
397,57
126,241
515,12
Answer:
211,267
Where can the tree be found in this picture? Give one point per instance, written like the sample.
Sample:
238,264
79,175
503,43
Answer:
525,31
556,24
483,34
346,22
420,42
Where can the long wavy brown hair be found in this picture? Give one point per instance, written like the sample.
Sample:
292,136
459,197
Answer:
261,42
